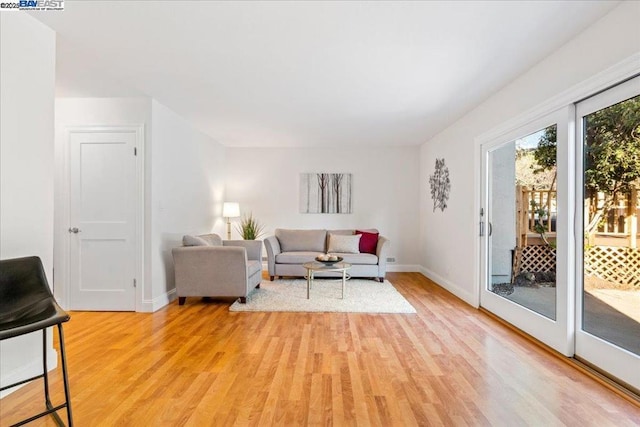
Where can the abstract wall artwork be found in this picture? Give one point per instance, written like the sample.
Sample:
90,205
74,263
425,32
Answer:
325,193
440,185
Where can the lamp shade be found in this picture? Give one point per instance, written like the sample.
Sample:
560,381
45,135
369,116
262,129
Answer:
230,210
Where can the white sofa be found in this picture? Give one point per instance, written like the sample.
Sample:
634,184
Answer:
288,249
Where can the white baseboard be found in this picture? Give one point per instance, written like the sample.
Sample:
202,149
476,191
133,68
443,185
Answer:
403,268
464,295
28,370
153,305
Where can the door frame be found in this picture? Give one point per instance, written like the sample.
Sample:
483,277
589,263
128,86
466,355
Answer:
555,333
62,220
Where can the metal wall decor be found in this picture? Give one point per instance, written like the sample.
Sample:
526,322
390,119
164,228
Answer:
440,185
325,193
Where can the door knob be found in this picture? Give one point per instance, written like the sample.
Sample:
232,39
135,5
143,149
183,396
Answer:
74,230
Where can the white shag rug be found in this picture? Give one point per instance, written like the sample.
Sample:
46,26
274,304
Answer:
361,296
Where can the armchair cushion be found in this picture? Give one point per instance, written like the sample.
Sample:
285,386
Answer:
212,239
202,240
188,240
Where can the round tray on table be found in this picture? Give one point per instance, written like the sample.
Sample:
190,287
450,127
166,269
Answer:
329,263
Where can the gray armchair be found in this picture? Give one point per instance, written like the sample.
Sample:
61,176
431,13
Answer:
206,266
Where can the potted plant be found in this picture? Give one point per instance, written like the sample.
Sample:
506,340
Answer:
249,228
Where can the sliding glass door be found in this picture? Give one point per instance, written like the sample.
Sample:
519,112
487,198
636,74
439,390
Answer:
560,230
524,228
607,236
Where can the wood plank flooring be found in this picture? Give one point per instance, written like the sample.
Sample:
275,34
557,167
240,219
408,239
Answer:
200,365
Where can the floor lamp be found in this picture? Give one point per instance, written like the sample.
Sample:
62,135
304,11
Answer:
230,210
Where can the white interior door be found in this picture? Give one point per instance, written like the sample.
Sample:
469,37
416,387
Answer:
532,296
608,281
102,215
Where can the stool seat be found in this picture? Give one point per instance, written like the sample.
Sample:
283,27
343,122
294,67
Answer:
27,305
30,318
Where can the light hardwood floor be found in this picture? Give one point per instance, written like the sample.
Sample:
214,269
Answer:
199,365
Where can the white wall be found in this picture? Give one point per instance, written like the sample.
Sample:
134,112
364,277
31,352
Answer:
27,70
503,211
448,253
385,191
187,185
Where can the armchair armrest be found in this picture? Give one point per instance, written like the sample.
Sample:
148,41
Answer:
273,248
253,247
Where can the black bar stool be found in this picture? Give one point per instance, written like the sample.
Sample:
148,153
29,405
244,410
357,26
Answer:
27,305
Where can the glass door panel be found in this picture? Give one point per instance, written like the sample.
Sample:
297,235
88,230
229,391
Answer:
522,217
608,300
522,230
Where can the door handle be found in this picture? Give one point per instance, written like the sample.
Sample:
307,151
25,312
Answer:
490,229
74,230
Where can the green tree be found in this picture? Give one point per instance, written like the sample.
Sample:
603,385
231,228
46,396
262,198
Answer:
546,153
612,153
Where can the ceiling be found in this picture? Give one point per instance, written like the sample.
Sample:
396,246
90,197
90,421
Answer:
310,74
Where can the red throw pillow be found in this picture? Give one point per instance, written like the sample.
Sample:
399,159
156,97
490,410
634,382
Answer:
368,242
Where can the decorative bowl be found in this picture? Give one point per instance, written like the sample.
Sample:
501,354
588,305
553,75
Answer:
326,262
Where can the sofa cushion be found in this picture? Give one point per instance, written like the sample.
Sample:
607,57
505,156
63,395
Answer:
188,240
299,257
344,244
367,259
253,267
301,240
368,242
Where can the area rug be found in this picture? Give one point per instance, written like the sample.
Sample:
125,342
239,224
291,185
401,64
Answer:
361,296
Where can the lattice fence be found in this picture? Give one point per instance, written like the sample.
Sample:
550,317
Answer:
534,258
614,264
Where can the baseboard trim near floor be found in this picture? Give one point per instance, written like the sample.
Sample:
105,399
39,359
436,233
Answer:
153,305
465,296
403,268
31,369
622,390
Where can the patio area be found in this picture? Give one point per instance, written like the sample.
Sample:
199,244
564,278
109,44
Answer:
611,314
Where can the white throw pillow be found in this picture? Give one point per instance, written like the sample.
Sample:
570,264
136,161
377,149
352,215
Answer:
344,244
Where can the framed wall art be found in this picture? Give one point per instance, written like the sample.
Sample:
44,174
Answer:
325,193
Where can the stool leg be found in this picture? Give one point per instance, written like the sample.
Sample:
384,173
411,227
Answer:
65,375
45,370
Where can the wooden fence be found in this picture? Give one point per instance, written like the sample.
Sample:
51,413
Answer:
620,222
618,265
619,226
611,250
529,204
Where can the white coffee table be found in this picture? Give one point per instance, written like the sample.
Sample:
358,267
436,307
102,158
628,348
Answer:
315,267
